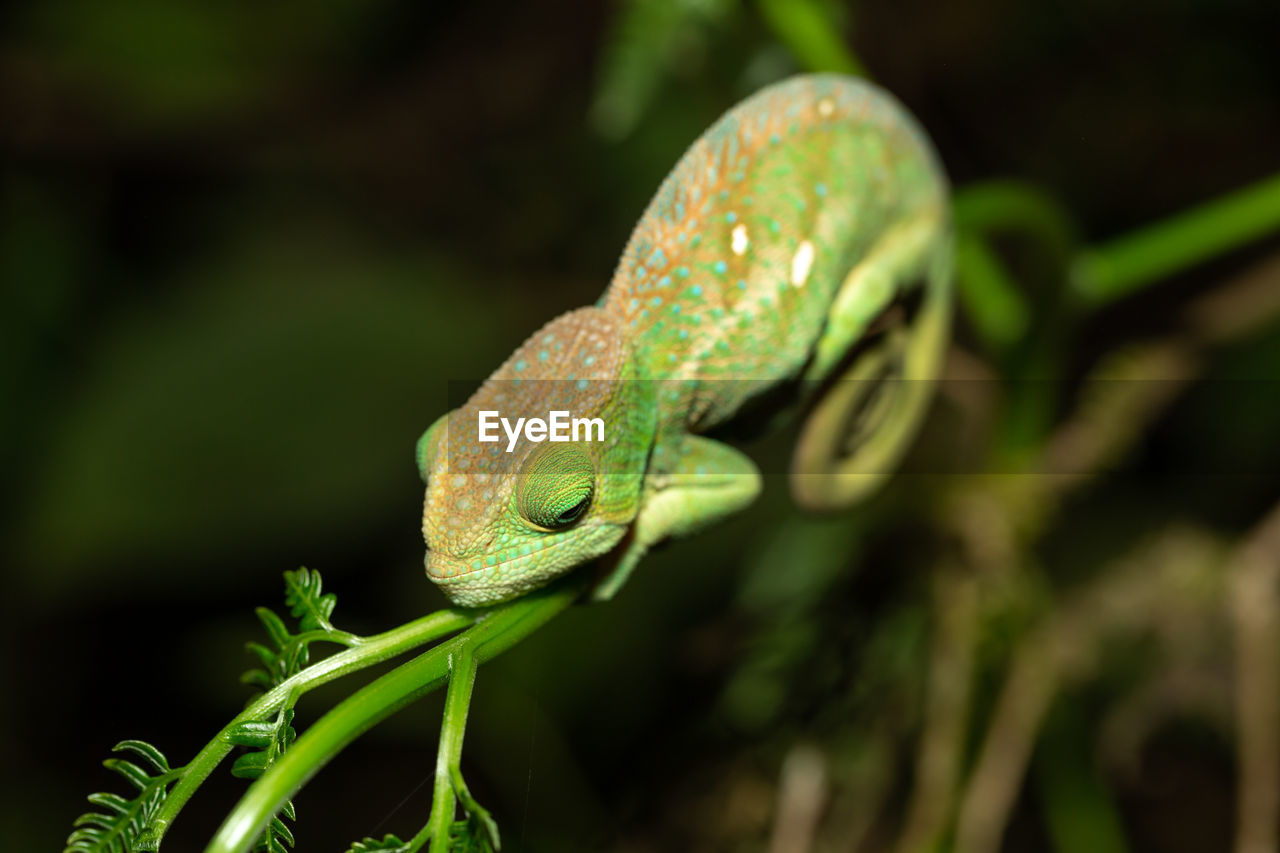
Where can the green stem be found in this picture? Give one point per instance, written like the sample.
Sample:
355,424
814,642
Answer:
804,27
449,786
368,652
991,297
1115,269
1015,207
493,633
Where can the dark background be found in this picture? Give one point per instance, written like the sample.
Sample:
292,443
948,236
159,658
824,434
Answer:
245,247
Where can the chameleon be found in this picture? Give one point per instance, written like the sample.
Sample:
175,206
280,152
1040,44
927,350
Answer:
803,244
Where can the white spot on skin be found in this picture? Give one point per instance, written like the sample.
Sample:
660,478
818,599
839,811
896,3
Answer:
826,107
801,264
739,239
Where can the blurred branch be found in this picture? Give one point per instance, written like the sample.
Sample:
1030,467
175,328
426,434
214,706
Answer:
994,785
951,672
1179,690
1238,308
1015,207
1171,578
802,794
1255,572
991,297
1122,396
1115,269
863,781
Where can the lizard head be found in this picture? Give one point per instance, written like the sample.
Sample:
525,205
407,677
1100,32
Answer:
509,509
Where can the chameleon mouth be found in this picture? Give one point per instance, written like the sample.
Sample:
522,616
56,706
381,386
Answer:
442,567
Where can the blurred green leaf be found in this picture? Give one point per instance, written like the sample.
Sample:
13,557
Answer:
275,396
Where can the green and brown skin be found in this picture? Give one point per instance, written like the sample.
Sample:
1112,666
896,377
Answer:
773,253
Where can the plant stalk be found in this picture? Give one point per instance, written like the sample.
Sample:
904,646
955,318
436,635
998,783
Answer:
368,652
493,633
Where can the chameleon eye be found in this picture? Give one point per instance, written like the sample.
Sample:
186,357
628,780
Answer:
556,486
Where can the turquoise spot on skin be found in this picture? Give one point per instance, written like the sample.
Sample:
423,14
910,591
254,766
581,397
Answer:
582,384
656,301
820,188
724,194
774,138
696,290
640,272
491,560
521,364
683,272
675,309
658,259
731,217
697,238
589,360
742,285
774,226
543,355
684,334
720,267
477,564
665,281
672,357
634,304
548,338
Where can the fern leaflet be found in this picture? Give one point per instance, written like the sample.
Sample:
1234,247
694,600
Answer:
117,824
286,656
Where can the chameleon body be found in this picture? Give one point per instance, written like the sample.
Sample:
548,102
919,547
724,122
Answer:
803,240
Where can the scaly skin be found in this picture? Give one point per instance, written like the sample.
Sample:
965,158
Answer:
779,251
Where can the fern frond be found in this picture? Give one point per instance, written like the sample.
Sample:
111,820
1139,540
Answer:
305,601
289,653
389,844
118,822
268,740
469,835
